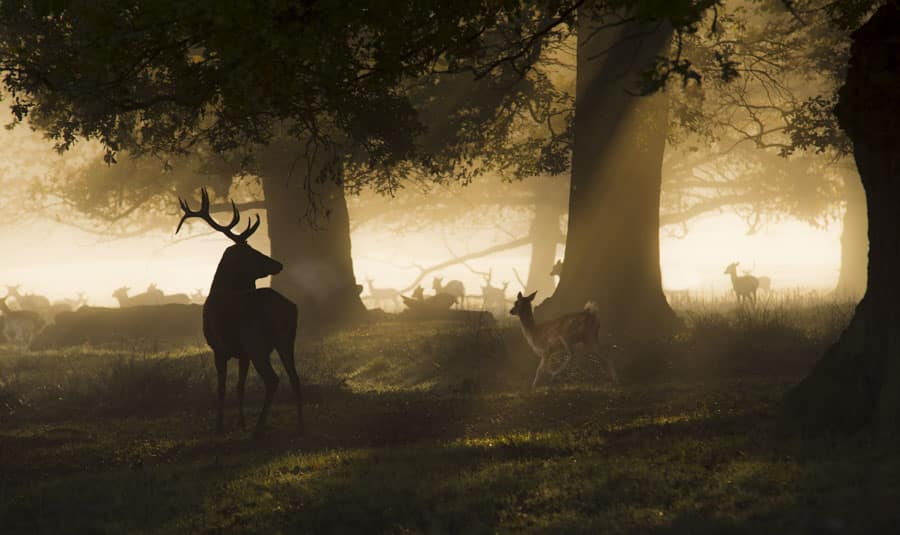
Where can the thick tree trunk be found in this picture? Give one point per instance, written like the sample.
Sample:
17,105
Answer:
313,242
545,236
854,241
857,382
612,246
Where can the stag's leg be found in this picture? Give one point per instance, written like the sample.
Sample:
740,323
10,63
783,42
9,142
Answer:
243,366
222,373
270,378
286,352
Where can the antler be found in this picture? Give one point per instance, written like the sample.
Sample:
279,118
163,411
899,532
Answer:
203,213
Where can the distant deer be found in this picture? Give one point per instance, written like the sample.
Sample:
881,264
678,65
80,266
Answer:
493,298
197,297
454,288
419,293
20,326
163,298
557,269
149,298
744,286
562,333
380,295
27,301
72,304
243,322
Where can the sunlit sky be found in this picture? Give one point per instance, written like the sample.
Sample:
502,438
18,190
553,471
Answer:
56,260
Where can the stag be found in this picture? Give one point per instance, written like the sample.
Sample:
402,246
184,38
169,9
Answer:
244,322
744,286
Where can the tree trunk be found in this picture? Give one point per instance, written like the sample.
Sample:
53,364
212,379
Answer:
612,246
544,239
313,242
857,382
854,241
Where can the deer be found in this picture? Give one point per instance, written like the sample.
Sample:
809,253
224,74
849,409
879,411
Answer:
562,333
27,301
380,295
149,298
744,286
557,269
243,322
72,304
20,326
197,297
454,288
492,297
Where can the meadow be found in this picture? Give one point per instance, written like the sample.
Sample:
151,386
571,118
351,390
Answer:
433,427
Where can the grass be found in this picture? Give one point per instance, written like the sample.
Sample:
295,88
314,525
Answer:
432,428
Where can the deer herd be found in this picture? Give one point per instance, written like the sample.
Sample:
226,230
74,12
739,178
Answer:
248,324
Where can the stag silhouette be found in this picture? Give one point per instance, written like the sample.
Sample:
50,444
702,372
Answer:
243,322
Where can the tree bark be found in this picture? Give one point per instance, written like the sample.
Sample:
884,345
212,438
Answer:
857,383
612,246
545,237
312,241
854,241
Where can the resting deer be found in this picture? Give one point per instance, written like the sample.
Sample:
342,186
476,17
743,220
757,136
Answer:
380,295
27,301
562,333
243,322
744,286
454,288
20,326
149,298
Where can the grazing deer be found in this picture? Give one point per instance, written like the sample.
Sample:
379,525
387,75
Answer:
28,301
454,288
243,322
380,295
744,286
557,269
20,326
562,333
149,298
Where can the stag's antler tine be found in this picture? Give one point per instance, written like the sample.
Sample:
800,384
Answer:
251,228
235,217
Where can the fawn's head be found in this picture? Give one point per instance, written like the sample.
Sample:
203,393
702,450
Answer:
241,264
731,269
522,304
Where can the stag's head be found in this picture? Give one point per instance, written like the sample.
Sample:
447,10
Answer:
522,304
241,264
731,269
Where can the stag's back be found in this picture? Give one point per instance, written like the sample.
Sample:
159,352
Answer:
236,322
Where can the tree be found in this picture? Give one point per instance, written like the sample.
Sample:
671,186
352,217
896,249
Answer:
341,81
612,244
857,382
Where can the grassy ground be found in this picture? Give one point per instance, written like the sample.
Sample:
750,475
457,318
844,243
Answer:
432,428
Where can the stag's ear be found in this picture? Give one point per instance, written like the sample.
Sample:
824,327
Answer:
519,295
531,297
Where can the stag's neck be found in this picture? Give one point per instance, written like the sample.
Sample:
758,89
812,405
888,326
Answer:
225,282
734,279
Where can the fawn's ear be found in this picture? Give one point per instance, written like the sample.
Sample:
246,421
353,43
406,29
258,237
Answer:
519,295
531,297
